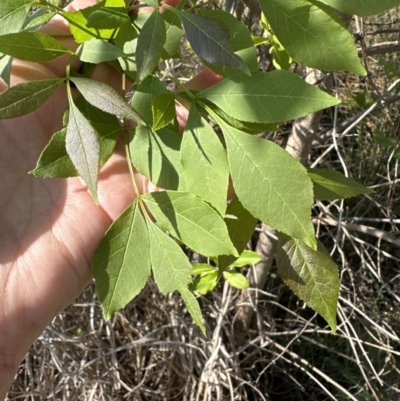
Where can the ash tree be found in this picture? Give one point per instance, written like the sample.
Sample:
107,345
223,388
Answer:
220,142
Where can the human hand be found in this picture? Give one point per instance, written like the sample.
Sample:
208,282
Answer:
49,229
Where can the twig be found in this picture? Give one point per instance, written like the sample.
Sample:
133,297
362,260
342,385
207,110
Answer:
388,237
381,48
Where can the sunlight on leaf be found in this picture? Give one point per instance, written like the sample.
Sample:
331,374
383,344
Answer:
311,274
121,263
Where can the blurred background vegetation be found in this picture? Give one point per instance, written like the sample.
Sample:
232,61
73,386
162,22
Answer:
153,351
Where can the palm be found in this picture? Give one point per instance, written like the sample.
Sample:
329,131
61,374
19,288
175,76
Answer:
48,228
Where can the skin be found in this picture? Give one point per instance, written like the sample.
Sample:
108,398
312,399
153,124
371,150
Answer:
49,228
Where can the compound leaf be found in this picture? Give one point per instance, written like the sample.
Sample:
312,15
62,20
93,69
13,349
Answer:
26,97
191,220
204,162
97,51
267,97
150,44
363,8
281,194
210,40
156,155
313,34
121,263
171,267
104,97
331,185
83,147
311,274
32,46
54,162
241,225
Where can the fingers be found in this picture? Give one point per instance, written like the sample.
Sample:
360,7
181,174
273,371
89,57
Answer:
204,80
201,81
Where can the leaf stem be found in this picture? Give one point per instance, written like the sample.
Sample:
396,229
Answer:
129,161
177,83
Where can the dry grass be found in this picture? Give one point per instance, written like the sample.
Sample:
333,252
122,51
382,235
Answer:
152,351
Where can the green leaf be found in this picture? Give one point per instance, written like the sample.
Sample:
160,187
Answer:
144,95
331,185
108,18
32,46
250,128
127,41
313,34
13,14
156,155
173,31
204,162
171,267
239,39
83,147
78,21
163,109
54,161
247,258
106,125
281,59
5,68
104,97
281,194
362,8
193,308
126,33
240,230
121,263
236,279
97,51
152,3
205,283
39,18
267,97
150,44
210,40
26,97
192,221
311,274
202,269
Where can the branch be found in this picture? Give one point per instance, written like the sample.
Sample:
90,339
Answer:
374,232
381,48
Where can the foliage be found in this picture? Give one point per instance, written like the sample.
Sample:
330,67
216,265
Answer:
194,170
